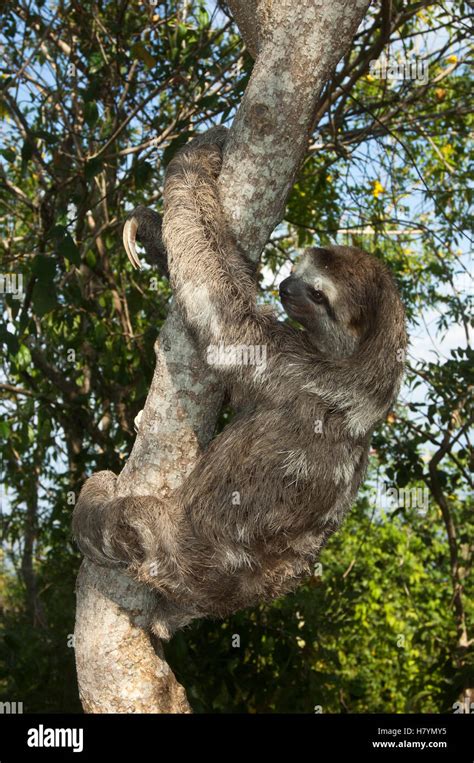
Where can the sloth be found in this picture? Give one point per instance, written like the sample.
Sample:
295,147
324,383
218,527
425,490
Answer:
249,521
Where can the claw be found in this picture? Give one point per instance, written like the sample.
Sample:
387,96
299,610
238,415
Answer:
129,235
136,421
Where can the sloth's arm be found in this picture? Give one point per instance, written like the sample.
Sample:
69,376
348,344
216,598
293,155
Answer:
210,277
212,280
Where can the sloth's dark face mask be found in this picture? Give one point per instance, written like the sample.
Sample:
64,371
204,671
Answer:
319,294
309,292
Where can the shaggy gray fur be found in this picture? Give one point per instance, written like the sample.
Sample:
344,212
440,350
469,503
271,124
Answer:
248,522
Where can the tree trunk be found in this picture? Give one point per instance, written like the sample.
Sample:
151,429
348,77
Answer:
297,45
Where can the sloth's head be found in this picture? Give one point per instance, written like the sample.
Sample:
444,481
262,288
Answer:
336,293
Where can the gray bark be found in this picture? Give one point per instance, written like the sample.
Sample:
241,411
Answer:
297,44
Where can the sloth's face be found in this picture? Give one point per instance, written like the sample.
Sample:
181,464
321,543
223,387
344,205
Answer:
327,293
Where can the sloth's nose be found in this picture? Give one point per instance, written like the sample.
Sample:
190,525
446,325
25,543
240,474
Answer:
290,287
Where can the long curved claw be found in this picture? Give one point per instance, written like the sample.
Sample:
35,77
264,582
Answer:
129,236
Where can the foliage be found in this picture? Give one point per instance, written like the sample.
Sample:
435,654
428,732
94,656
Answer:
372,631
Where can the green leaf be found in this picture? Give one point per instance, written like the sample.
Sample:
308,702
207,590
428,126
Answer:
8,154
44,268
142,172
92,168
10,340
91,113
49,137
139,51
4,430
23,357
27,150
68,249
92,91
91,258
96,62
44,299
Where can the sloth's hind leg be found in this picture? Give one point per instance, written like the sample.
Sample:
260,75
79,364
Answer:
139,533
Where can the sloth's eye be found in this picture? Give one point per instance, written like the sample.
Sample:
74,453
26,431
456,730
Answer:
316,295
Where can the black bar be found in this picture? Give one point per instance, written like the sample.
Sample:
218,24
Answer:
308,737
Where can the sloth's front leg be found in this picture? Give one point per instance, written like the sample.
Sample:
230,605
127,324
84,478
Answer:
144,225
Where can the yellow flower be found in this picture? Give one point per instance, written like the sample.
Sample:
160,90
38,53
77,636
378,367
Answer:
447,150
377,189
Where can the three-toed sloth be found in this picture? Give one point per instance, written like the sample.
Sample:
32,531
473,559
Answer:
249,520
